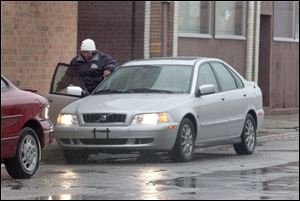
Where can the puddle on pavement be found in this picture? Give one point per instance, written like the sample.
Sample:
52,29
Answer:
275,179
81,171
16,186
159,157
66,197
276,150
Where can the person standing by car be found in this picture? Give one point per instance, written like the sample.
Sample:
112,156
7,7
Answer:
91,65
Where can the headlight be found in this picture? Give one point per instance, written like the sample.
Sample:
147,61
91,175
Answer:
151,119
66,119
45,112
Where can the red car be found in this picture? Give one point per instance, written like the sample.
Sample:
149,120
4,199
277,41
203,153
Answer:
25,130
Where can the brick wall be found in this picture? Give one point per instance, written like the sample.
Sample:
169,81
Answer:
156,28
35,36
116,26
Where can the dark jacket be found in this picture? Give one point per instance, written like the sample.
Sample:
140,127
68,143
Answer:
91,72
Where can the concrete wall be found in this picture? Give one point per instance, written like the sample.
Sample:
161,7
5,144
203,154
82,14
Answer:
35,36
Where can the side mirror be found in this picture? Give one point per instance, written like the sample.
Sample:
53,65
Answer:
205,90
74,90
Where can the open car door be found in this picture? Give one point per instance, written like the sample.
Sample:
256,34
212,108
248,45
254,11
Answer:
66,87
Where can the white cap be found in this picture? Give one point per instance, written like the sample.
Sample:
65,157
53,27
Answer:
88,45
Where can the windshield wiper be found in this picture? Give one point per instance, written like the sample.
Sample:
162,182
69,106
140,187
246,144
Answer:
141,90
109,91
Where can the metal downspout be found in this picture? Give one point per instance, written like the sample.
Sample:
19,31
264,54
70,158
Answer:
164,34
257,40
250,32
175,29
147,30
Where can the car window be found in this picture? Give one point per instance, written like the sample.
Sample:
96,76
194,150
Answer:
64,77
176,79
237,79
226,79
4,86
206,76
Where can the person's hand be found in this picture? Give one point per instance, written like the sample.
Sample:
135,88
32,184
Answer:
106,73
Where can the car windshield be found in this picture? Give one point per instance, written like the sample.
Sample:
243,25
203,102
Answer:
148,79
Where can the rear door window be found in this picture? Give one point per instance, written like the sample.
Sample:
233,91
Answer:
226,79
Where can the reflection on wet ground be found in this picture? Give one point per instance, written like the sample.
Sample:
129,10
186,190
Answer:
129,176
68,197
160,157
135,158
275,182
286,182
17,185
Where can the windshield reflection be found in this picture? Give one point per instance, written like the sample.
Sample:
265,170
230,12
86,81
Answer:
148,79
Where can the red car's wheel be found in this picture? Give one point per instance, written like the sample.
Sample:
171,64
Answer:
26,163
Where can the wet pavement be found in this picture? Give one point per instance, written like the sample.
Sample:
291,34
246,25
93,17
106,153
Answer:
272,172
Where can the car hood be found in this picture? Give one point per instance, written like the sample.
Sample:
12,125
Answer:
126,103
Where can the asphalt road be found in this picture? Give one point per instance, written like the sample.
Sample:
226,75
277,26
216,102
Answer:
272,172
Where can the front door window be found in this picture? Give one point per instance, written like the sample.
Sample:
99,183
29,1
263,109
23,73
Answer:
63,78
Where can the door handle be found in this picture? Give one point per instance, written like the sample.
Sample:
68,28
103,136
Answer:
245,95
50,100
223,98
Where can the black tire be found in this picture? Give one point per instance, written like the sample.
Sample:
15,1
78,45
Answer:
183,150
75,156
27,160
248,137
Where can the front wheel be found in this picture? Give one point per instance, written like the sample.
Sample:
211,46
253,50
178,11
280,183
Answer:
248,137
26,163
183,149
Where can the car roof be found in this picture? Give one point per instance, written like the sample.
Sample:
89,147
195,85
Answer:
167,60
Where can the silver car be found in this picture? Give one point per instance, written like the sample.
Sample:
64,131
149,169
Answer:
167,104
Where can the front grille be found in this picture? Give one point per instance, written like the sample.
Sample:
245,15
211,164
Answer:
104,118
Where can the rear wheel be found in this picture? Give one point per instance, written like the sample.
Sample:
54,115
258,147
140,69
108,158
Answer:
183,150
75,156
248,137
26,163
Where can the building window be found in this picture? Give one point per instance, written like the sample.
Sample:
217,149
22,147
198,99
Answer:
230,19
194,18
286,20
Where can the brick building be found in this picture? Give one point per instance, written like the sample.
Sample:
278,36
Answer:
260,39
34,37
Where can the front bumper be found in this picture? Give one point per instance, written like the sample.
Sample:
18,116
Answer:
47,131
157,137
